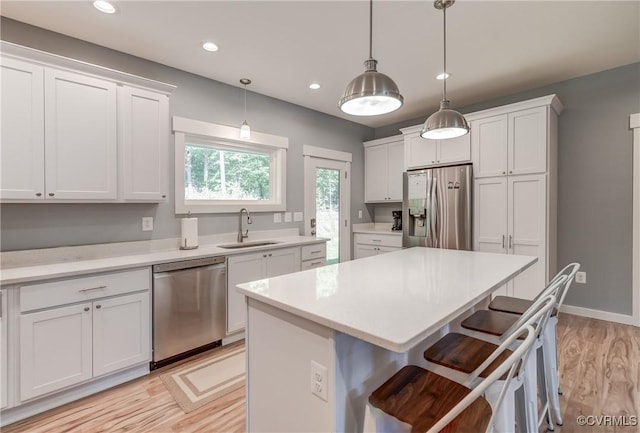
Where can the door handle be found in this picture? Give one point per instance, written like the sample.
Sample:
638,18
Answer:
510,242
313,226
503,241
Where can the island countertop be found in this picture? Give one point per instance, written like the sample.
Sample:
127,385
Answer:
393,300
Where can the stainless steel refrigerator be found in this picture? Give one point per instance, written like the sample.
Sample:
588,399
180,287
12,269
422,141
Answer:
436,209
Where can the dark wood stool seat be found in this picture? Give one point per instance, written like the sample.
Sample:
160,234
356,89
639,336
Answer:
489,322
509,304
463,353
420,398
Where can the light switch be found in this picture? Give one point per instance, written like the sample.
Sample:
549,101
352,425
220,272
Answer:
277,217
298,216
287,217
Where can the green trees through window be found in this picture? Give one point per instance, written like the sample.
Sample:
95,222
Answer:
216,174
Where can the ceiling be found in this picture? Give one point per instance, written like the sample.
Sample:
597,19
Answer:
494,48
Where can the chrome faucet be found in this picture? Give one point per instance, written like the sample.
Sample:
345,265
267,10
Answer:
246,233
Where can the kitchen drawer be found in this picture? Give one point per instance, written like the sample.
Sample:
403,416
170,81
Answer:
313,251
310,264
378,239
71,290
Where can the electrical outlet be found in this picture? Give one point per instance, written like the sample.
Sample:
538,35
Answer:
147,224
319,380
298,216
360,213
277,217
287,217
581,277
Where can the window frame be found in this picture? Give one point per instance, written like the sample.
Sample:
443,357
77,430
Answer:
220,136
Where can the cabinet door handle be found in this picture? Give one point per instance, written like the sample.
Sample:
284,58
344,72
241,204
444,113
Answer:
264,255
38,194
98,306
376,240
86,308
92,288
164,196
269,255
315,252
316,263
510,242
51,194
504,172
510,171
503,241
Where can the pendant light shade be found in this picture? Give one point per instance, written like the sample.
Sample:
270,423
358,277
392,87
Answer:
245,129
444,123
371,93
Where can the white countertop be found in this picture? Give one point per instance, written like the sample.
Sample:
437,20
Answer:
376,228
393,300
114,259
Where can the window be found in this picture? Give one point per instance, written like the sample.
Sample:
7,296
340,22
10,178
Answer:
217,172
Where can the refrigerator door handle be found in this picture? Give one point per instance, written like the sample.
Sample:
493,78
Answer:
510,242
503,241
434,212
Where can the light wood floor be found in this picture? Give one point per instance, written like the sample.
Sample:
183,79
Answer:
600,375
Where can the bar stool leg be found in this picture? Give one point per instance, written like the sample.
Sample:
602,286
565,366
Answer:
551,367
531,391
504,420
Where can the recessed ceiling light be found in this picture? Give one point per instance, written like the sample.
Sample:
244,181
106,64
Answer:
104,6
210,46
443,76
314,86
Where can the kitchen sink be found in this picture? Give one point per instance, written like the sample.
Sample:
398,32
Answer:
247,244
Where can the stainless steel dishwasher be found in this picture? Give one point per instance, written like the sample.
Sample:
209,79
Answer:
189,307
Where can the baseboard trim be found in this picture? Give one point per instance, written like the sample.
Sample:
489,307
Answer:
28,409
599,314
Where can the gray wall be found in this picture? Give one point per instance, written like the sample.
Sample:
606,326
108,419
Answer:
27,226
595,179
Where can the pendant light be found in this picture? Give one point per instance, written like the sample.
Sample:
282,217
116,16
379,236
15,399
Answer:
245,130
371,93
444,123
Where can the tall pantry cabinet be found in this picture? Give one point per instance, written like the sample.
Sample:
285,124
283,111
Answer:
514,153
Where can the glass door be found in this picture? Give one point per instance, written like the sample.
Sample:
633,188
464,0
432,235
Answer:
327,205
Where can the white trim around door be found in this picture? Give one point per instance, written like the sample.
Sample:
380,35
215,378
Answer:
634,124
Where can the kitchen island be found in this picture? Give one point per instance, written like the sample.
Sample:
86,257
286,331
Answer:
320,341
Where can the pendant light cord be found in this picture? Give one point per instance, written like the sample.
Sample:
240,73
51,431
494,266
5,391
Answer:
444,87
371,29
245,102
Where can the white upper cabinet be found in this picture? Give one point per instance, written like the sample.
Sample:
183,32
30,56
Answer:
510,143
22,162
74,132
421,152
80,137
383,167
143,144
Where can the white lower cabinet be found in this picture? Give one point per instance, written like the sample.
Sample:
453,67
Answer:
4,371
510,218
367,244
249,267
55,349
64,345
120,332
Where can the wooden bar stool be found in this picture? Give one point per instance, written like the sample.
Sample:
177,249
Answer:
418,400
494,323
465,354
512,305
